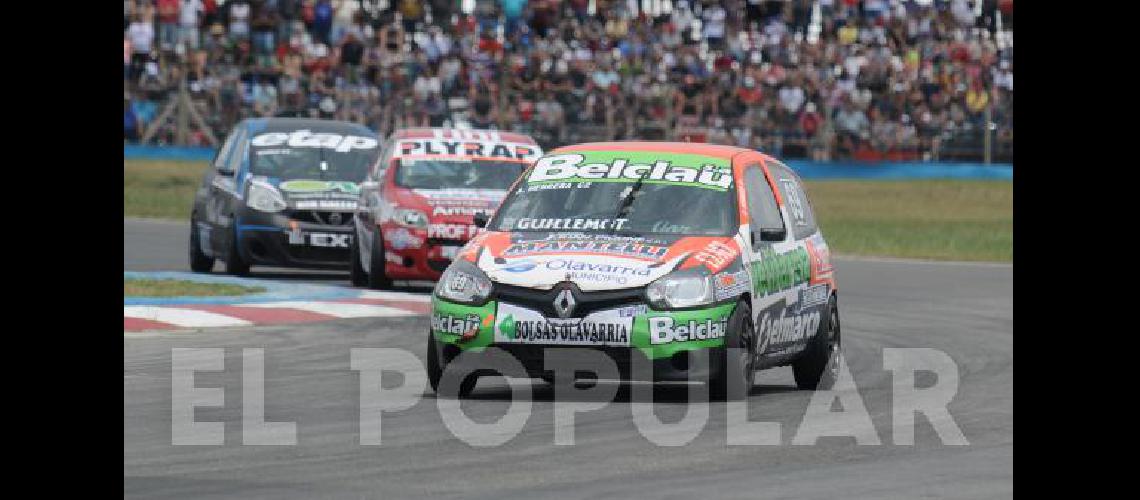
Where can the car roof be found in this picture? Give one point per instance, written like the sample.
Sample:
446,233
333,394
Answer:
440,132
712,150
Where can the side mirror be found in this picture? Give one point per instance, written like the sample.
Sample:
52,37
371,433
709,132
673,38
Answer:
773,234
479,219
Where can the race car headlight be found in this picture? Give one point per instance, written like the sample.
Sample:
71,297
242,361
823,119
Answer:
463,282
265,198
411,218
680,289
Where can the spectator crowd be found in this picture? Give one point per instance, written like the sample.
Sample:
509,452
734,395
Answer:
822,79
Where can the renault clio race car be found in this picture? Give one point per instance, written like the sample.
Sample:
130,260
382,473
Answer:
282,192
417,205
700,261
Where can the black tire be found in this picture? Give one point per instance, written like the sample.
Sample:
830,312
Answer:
356,272
738,370
377,280
235,265
436,368
818,366
199,262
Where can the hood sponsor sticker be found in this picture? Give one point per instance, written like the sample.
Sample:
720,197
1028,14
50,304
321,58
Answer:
445,211
716,255
326,204
313,186
632,249
629,166
569,223
518,266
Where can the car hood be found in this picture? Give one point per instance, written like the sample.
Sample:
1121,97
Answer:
449,211
593,261
451,204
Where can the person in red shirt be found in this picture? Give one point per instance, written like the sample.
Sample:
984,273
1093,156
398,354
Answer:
749,93
167,23
810,119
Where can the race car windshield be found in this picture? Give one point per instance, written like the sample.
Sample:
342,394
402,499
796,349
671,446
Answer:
328,164
448,174
592,206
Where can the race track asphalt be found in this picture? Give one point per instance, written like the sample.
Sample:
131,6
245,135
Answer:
964,310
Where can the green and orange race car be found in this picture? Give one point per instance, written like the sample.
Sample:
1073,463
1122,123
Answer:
700,262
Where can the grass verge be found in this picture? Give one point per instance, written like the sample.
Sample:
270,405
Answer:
924,219
179,288
163,189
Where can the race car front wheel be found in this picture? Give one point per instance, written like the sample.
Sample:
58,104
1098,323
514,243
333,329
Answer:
356,274
818,366
376,278
436,367
235,265
199,262
738,371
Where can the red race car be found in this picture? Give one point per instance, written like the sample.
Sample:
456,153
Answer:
418,201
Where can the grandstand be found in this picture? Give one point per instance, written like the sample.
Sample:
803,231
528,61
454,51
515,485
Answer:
816,79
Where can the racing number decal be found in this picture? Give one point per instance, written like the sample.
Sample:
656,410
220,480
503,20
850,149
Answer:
795,206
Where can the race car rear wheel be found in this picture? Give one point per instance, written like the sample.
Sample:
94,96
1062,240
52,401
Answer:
376,278
356,273
738,371
818,366
235,265
436,367
199,262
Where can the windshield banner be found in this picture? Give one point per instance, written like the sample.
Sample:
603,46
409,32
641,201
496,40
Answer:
629,166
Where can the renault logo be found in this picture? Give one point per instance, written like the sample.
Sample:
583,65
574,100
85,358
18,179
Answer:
564,303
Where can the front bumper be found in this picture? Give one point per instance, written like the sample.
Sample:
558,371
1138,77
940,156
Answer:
281,240
674,345
411,255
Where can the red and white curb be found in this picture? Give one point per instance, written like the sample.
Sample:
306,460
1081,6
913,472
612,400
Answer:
367,305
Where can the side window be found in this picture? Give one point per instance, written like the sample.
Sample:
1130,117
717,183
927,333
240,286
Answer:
762,208
238,154
792,191
223,152
381,165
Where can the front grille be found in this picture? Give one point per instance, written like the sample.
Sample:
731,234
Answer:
587,302
323,217
444,242
320,254
532,357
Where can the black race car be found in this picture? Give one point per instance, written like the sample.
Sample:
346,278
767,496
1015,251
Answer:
282,192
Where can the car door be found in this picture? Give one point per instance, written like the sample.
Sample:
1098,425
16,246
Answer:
814,292
778,265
